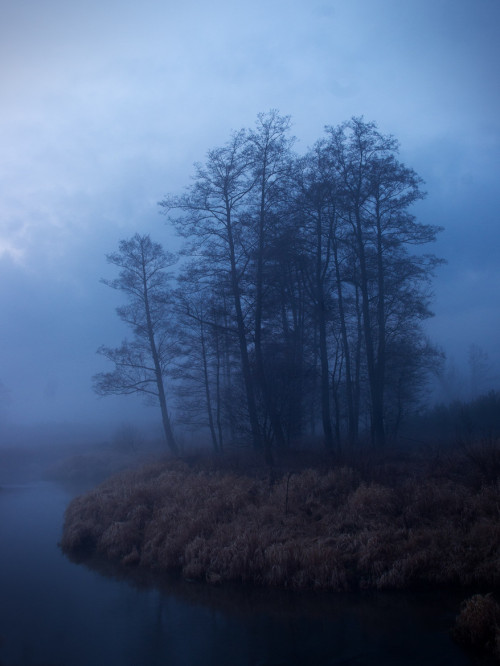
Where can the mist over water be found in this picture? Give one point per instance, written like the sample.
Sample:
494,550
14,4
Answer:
53,611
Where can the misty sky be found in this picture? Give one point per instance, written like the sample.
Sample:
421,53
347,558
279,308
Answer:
105,105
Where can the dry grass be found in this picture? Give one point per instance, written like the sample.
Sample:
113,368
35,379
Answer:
477,626
330,529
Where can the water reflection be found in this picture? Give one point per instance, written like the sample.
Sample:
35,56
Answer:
54,612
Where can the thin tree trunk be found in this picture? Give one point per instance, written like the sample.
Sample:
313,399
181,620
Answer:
228,376
218,391
378,432
245,361
269,401
357,362
207,389
345,343
337,370
323,348
381,347
325,380
167,426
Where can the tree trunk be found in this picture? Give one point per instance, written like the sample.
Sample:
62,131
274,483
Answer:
167,427
269,402
377,412
245,361
323,348
381,346
345,344
207,389
218,398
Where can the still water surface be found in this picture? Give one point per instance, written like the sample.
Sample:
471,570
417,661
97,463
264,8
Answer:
57,613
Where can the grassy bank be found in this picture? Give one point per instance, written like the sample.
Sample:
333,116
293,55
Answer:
387,525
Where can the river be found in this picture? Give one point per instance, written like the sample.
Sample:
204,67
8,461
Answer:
57,613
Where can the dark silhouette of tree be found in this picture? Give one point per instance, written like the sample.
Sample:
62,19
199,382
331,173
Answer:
269,150
213,216
377,191
201,332
141,364
316,204
302,291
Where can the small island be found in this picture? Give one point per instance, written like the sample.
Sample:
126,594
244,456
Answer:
292,342
396,523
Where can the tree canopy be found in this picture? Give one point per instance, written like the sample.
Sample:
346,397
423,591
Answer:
299,304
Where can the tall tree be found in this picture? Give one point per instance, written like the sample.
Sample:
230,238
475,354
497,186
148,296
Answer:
377,191
141,364
213,216
269,150
316,292
200,368
316,205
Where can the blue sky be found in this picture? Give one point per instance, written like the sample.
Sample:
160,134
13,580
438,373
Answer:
106,105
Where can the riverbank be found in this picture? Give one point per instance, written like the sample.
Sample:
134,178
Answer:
425,521
127,616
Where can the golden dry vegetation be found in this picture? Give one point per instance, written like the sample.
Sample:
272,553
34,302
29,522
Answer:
384,525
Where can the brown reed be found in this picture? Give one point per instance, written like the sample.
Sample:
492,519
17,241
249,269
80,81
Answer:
317,528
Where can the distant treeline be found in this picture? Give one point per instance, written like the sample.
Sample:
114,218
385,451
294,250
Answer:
462,423
297,306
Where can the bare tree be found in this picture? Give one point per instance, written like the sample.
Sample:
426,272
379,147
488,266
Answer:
200,366
319,297
376,191
212,216
269,149
141,364
316,206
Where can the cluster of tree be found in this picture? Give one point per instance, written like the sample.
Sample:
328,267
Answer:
471,423
298,304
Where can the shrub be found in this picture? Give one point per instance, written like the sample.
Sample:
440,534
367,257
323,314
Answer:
478,624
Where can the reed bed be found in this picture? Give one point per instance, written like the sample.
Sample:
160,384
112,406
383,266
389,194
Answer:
402,526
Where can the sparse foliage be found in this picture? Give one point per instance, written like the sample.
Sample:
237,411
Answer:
323,294
142,363
301,300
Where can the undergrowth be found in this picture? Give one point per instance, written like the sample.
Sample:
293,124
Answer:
477,626
392,525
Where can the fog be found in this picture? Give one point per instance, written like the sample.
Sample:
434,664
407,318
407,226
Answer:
105,107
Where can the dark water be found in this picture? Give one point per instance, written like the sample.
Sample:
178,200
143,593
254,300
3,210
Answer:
54,612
